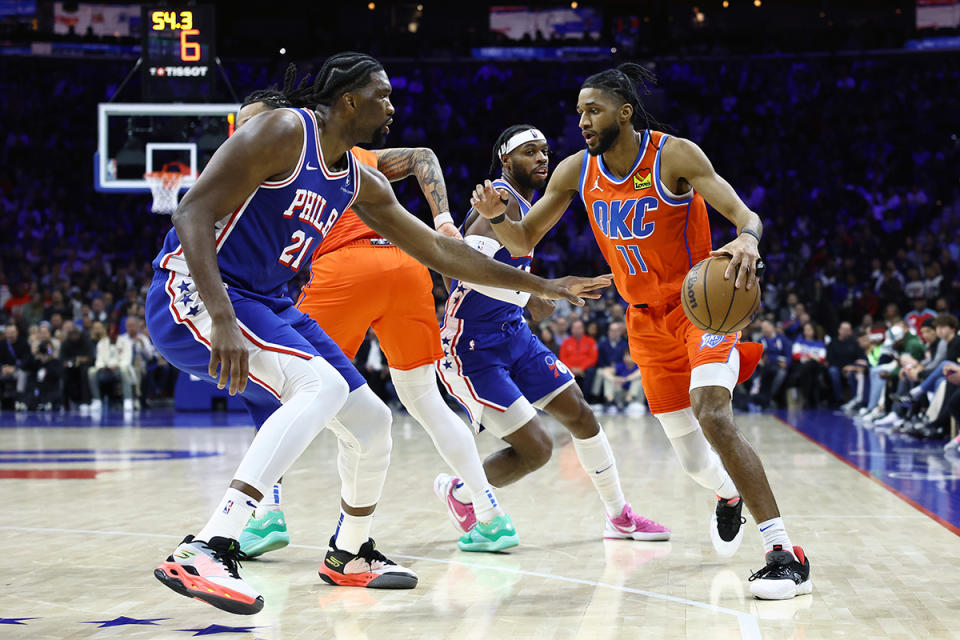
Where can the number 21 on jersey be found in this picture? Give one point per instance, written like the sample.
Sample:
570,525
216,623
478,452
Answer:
293,254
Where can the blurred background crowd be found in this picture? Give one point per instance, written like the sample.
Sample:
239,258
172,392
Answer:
851,161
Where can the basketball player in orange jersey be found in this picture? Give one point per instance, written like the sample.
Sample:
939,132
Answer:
644,193
359,280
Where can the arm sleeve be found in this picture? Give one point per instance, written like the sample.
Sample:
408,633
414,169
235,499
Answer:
489,247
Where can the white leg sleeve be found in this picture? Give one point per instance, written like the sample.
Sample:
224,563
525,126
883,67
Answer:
696,456
363,428
312,393
453,439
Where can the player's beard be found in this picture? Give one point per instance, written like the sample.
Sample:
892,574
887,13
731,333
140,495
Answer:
379,138
530,180
605,139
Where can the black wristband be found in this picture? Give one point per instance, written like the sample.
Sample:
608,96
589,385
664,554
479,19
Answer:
500,218
752,233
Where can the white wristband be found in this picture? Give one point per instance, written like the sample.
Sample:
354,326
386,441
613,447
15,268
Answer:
441,219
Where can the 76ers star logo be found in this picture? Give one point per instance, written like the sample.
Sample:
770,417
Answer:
556,366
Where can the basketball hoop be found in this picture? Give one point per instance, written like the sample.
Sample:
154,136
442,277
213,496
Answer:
165,186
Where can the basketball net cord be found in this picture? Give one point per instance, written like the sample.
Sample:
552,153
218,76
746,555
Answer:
165,187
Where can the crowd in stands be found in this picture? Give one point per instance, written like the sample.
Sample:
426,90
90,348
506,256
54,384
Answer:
850,161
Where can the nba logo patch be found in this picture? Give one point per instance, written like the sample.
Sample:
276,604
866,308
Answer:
709,341
228,506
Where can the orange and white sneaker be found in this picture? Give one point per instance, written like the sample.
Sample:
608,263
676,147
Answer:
367,568
208,571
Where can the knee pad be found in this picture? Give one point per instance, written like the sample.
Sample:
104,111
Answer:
678,423
364,422
316,376
418,391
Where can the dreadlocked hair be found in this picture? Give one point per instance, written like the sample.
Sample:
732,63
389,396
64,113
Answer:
340,74
274,97
509,132
627,81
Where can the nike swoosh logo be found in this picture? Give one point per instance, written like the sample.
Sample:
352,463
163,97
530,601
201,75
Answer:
765,528
457,515
251,504
604,469
311,167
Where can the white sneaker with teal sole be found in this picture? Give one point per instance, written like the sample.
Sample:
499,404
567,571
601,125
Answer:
261,535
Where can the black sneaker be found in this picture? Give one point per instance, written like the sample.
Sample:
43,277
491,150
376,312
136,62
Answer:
786,575
726,526
368,568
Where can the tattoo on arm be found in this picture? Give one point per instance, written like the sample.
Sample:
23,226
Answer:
397,164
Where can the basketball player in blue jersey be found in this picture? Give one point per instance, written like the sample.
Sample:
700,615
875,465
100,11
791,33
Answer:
218,308
267,529
501,373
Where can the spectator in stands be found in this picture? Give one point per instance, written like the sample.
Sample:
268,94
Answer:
14,360
114,364
143,353
921,312
868,340
579,353
45,385
774,365
546,336
77,354
610,350
622,388
946,326
842,352
899,342
809,363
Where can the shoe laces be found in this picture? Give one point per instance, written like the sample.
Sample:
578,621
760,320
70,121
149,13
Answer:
368,551
775,569
228,553
728,516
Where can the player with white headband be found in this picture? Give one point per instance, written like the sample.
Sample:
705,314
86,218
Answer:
501,373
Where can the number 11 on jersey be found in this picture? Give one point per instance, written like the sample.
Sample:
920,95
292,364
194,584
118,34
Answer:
631,254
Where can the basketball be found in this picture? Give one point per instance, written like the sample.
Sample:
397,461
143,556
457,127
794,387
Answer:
714,304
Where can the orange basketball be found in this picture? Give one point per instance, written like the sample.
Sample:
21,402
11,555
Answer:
713,304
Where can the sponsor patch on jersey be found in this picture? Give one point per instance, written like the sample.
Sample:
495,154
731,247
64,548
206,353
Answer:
642,179
709,341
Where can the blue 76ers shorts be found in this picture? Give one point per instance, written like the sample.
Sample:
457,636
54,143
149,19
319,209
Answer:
180,328
500,373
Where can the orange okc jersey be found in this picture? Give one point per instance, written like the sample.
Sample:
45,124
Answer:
649,236
349,227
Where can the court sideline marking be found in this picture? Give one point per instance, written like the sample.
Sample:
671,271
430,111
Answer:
749,627
910,501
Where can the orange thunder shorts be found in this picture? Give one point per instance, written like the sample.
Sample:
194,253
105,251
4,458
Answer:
366,285
666,347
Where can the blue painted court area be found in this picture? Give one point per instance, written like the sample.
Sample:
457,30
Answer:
148,419
915,470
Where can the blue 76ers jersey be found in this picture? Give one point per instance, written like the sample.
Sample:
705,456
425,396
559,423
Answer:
272,235
467,304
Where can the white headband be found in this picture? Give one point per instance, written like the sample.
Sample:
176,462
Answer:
523,137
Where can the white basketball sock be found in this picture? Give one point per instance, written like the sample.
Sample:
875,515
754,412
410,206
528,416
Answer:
597,460
774,532
270,502
230,516
352,531
418,391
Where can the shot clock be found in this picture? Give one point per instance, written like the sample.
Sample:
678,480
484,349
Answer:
179,60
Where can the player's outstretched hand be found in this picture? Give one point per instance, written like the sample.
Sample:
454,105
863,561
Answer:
229,350
574,288
487,200
744,256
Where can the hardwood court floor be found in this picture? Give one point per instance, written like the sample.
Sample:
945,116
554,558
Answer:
79,551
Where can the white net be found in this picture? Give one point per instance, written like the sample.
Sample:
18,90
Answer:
165,187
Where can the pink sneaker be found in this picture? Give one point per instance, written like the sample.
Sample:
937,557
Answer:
628,525
461,514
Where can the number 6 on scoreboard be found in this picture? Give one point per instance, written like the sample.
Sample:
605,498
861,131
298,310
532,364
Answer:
189,51
636,261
